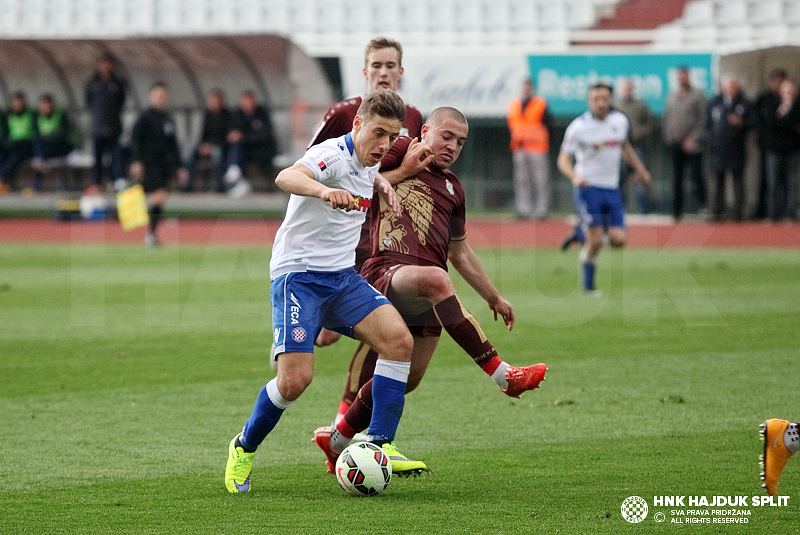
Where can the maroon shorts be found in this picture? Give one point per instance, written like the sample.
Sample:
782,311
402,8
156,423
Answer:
380,276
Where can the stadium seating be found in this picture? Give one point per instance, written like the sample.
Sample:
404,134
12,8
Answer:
341,27
322,27
732,24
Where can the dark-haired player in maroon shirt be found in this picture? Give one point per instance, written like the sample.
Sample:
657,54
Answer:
383,67
409,265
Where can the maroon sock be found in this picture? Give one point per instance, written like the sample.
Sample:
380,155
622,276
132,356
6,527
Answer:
362,367
360,412
465,330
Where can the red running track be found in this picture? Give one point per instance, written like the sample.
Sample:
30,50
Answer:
482,232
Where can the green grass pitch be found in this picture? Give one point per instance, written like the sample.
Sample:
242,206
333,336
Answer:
124,373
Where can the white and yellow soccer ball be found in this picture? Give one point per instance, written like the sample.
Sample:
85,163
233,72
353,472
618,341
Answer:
363,469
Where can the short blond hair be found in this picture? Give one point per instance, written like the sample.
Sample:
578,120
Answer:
379,43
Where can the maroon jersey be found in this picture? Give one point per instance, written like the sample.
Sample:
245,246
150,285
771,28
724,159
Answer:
339,121
433,215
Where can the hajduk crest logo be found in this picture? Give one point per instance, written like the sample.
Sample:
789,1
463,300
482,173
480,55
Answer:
634,509
299,334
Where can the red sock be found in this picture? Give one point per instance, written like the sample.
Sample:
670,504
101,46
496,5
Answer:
344,428
492,365
465,330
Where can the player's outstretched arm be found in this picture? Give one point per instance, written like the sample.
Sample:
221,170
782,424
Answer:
564,163
299,180
466,262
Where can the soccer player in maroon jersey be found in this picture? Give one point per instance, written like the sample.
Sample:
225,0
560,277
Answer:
409,265
383,67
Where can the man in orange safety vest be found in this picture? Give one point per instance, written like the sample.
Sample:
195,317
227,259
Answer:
530,126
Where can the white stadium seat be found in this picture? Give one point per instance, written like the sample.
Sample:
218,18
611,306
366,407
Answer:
553,16
767,12
523,15
732,13
580,14
791,14
698,13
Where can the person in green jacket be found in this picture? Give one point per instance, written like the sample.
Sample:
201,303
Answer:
53,136
18,134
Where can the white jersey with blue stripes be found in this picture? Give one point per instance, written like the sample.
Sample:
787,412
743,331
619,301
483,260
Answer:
597,147
314,236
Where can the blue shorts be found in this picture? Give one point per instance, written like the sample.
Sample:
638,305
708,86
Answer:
304,302
600,207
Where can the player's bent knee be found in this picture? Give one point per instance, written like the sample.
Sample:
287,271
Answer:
437,284
399,345
617,239
292,385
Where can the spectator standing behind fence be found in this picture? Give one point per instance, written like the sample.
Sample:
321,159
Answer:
730,115
105,98
155,155
684,118
53,137
531,130
17,136
251,139
782,144
766,104
213,145
642,123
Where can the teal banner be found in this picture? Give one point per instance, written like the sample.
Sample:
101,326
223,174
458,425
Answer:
565,79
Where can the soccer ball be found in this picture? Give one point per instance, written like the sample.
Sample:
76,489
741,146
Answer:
363,469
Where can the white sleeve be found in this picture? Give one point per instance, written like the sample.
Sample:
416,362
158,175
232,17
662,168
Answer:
322,161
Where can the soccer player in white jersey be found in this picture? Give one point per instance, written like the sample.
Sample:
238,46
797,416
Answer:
313,282
596,141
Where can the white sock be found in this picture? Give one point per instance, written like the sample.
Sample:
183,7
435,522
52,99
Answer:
791,438
275,396
499,375
338,441
393,369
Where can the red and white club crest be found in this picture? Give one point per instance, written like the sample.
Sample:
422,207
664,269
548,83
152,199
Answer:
299,334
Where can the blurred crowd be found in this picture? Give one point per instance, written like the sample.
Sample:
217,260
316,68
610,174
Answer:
230,139
701,137
705,142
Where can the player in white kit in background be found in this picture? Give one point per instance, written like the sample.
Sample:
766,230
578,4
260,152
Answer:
597,140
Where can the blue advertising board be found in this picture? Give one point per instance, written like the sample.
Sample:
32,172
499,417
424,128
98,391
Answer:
564,80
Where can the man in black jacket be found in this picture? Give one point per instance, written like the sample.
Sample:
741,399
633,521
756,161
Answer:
782,147
105,97
766,104
155,155
213,145
251,139
729,116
